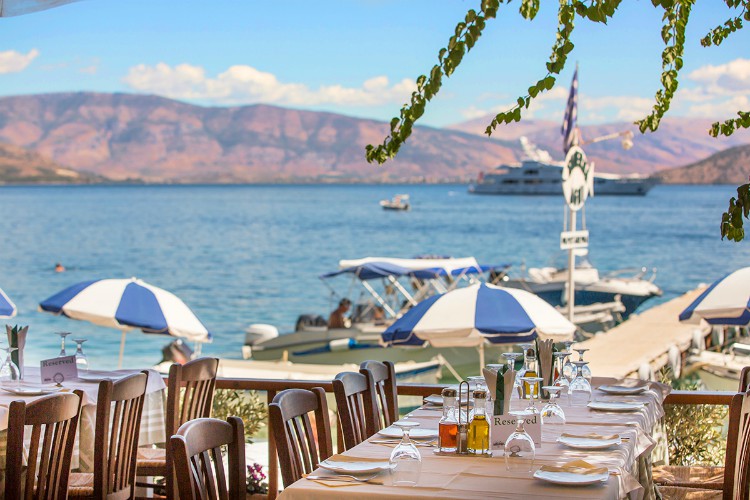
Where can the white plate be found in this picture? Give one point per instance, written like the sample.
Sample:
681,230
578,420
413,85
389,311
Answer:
99,378
614,406
435,399
570,478
621,389
31,391
582,443
395,432
356,467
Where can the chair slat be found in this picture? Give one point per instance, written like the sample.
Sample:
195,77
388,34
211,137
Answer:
381,376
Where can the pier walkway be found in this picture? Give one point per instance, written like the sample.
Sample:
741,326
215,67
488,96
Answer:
643,341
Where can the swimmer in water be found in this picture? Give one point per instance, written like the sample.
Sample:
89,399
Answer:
59,268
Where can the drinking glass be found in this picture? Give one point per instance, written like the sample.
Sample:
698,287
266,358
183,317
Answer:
568,369
9,372
562,380
580,388
62,343
81,360
494,367
552,413
405,458
586,370
533,392
519,447
512,357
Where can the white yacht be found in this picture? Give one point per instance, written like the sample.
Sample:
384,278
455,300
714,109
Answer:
539,174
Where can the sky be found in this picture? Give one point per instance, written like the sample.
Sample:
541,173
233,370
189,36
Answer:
361,57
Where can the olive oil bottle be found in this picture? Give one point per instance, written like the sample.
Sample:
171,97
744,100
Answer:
479,428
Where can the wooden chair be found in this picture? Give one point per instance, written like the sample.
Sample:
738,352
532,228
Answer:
745,379
54,421
119,407
299,451
196,449
353,396
382,377
729,482
190,394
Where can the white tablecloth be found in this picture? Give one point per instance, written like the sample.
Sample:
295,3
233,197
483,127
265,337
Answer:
471,477
152,423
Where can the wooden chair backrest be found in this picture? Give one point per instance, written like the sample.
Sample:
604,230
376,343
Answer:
196,449
353,398
190,395
382,377
737,466
298,449
119,407
744,379
54,421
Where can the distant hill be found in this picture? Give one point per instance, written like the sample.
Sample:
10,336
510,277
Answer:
127,136
162,140
678,141
731,166
19,166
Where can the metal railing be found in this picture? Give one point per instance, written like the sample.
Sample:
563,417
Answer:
272,387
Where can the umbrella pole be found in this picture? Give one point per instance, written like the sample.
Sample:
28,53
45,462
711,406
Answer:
481,356
122,347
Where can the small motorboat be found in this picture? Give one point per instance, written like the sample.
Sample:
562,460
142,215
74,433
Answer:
398,202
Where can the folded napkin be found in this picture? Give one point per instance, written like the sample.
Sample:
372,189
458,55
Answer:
490,378
502,390
17,338
591,435
546,361
575,467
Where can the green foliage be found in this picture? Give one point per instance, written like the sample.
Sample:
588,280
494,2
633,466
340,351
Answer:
247,405
731,220
676,17
695,432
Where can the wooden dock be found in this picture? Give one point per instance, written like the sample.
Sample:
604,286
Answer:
642,343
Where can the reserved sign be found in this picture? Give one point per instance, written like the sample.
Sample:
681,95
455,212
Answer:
58,370
505,425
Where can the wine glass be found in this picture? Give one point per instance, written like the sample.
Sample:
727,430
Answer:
62,343
552,413
519,447
586,370
9,372
568,369
580,388
82,362
405,458
533,383
512,357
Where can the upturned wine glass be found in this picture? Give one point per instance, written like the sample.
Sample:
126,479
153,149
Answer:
552,413
585,370
568,369
405,458
62,343
82,362
10,375
519,447
533,384
580,388
512,357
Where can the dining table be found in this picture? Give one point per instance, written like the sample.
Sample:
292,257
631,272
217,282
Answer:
152,428
468,477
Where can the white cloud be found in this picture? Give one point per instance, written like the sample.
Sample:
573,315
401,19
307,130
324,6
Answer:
536,106
731,77
626,108
14,62
245,84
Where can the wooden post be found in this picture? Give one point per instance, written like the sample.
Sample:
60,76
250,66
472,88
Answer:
273,460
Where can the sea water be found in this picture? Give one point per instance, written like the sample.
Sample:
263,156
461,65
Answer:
252,254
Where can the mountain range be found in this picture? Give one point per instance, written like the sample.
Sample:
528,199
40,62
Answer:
154,139
21,166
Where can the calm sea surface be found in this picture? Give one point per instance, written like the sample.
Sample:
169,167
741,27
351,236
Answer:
252,254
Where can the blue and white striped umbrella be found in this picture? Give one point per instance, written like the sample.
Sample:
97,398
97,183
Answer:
126,304
725,302
469,316
7,307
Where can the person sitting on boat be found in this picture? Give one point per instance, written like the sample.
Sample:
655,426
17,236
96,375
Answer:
337,318
378,315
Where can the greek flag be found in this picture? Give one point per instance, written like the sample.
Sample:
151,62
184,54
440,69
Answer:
569,128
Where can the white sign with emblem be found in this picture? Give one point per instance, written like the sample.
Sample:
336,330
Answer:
505,425
577,178
574,239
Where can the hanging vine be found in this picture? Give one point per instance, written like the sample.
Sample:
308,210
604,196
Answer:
676,17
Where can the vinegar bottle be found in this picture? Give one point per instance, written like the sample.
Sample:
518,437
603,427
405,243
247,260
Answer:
448,425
